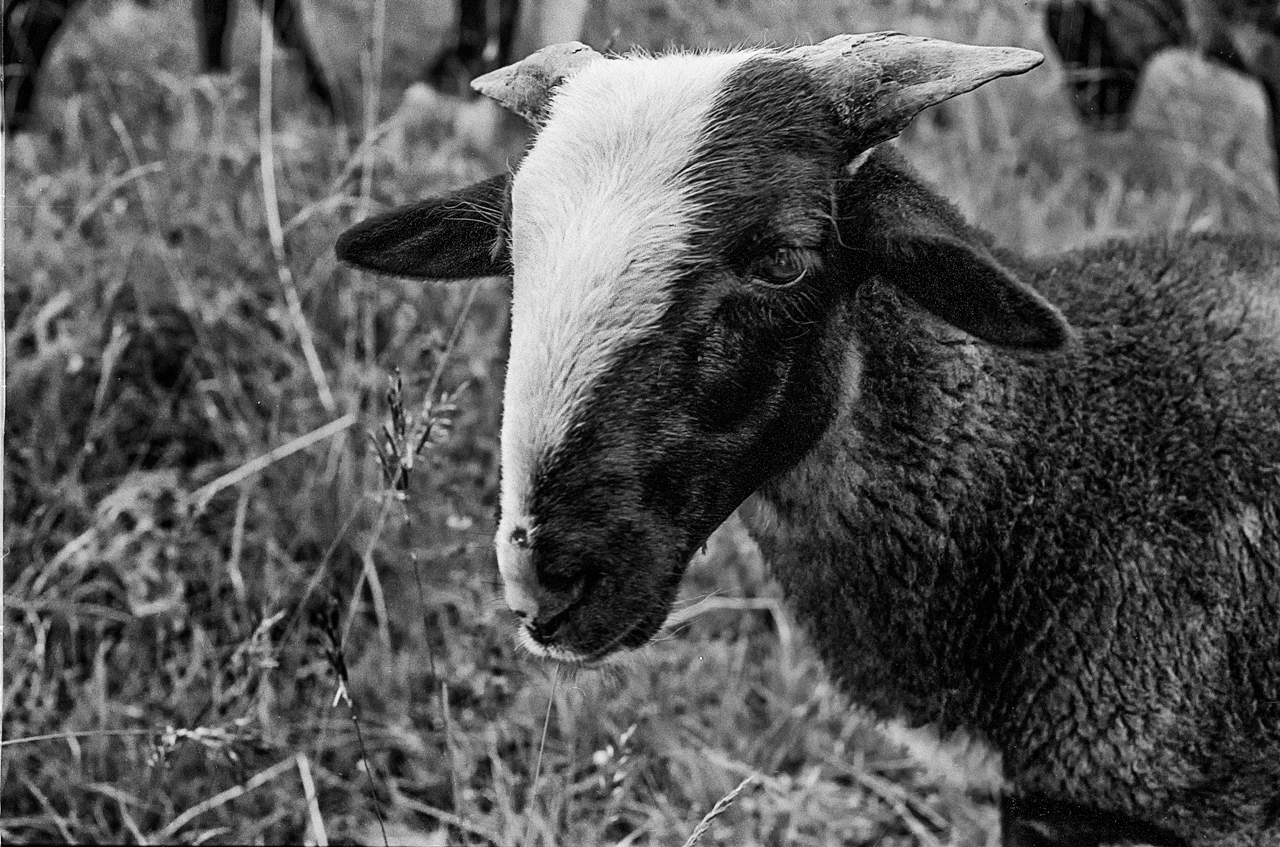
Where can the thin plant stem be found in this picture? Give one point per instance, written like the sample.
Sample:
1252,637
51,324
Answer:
537,768
722,805
271,206
201,496
222,798
367,565
454,787
368,771
452,342
88,733
313,806
373,89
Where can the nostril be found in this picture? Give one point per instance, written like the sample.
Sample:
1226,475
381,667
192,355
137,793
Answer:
539,631
558,599
543,629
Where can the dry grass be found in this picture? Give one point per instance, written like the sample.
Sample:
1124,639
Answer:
208,573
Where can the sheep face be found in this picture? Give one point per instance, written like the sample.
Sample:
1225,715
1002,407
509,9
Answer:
667,235
684,235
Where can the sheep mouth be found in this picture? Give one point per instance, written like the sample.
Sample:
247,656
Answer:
595,658
640,633
648,625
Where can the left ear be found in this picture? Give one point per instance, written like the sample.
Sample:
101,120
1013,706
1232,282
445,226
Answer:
961,282
919,243
458,236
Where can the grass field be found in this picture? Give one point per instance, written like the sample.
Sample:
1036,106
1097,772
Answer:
208,578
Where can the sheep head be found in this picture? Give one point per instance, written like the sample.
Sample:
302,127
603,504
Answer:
682,235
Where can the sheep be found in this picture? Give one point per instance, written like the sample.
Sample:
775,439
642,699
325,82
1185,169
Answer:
30,27
1054,527
1104,46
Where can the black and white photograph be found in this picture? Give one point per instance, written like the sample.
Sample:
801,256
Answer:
641,423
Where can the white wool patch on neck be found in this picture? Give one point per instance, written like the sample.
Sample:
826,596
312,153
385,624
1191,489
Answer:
600,218
957,760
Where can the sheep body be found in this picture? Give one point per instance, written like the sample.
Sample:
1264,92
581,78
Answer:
1080,558
1067,547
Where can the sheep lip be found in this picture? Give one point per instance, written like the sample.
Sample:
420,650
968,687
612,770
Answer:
565,656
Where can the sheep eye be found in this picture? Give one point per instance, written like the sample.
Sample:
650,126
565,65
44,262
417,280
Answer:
783,266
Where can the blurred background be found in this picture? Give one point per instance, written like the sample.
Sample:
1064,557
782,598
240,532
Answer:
230,617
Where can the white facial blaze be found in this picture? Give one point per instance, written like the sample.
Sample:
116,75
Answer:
599,219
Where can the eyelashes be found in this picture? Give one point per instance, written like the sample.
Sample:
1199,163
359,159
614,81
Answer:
783,266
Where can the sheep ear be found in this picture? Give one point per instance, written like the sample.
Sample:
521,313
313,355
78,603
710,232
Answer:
961,282
922,246
458,236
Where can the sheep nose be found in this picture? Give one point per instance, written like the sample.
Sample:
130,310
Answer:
523,603
541,604
552,611
543,630
519,581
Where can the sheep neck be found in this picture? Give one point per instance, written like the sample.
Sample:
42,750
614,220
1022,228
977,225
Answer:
874,535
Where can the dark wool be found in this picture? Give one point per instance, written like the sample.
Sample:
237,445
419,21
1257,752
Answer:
1060,535
1078,555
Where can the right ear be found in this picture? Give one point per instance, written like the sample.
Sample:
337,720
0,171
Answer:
458,236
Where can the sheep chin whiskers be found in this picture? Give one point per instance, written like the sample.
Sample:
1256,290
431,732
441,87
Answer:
601,658
560,655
